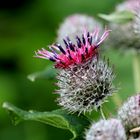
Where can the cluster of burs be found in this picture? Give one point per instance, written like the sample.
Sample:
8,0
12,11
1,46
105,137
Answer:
85,80
126,125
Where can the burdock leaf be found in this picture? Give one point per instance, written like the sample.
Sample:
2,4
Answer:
57,118
48,73
118,17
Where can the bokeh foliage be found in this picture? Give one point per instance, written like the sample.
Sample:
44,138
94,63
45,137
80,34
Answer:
26,26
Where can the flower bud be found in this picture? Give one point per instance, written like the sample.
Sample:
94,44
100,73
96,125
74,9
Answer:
106,130
124,35
129,114
73,26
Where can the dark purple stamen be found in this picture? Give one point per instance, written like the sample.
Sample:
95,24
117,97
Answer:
75,47
69,51
88,35
84,41
55,57
90,40
70,57
78,42
65,43
70,45
60,48
82,57
86,50
53,51
52,59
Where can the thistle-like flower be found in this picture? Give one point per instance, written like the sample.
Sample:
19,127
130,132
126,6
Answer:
124,36
84,80
129,114
106,130
73,26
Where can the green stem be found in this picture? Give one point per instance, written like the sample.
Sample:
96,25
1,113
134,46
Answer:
102,113
136,70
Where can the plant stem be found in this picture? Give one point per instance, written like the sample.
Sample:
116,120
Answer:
102,113
136,71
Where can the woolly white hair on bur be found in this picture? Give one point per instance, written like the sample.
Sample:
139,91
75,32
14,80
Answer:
85,87
111,129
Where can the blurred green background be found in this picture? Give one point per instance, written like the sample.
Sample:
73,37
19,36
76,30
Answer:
28,25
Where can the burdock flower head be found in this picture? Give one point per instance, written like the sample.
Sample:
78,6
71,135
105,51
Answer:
129,113
73,25
106,130
124,34
84,80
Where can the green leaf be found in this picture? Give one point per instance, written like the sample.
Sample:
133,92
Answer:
118,17
57,118
48,73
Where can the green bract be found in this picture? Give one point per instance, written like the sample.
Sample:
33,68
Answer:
118,17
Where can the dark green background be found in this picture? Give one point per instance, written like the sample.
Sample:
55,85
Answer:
28,25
